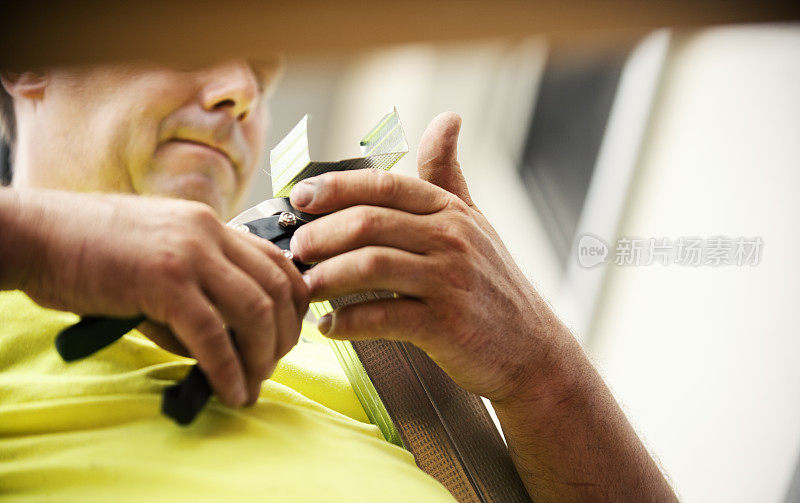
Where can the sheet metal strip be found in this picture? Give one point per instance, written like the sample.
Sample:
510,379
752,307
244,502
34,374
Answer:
446,428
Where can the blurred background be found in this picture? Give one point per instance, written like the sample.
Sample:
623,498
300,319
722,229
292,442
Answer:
624,134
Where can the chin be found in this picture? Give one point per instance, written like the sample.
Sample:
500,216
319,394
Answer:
192,172
201,188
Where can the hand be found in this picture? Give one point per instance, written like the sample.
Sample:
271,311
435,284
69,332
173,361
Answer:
465,302
462,298
177,264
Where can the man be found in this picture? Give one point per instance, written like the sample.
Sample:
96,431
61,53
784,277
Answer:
198,135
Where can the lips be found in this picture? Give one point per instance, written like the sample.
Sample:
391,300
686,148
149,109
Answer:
216,134
219,150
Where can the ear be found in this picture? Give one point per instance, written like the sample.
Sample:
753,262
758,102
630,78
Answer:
29,85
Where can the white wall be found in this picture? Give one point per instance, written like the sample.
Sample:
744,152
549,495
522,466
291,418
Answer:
707,360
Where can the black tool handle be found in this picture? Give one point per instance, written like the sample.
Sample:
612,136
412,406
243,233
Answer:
184,400
92,334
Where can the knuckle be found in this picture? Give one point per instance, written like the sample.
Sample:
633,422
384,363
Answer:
164,312
169,265
452,236
303,240
191,244
361,225
283,285
262,308
202,219
386,185
379,316
455,204
331,187
223,367
455,275
374,264
342,321
199,214
210,334
218,358
204,214
285,289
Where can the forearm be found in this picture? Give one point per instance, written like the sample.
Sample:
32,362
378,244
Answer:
569,439
42,236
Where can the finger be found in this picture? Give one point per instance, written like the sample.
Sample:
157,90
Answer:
369,269
280,279
437,157
163,336
360,226
201,330
248,311
395,319
242,246
337,190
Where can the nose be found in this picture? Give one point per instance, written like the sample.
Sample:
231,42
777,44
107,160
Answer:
232,88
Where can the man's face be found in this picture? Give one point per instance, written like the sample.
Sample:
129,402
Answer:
195,134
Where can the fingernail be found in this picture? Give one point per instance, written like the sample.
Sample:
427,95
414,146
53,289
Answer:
307,280
240,395
253,398
293,246
255,390
324,324
302,193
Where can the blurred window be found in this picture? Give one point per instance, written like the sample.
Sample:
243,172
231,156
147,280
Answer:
568,122
5,163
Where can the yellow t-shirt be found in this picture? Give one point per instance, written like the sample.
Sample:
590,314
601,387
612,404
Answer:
92,430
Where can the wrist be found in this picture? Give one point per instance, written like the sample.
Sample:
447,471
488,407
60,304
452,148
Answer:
15,241
553,380
23,231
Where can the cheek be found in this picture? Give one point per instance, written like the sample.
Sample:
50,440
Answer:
117,139
137,140
149,98
135,133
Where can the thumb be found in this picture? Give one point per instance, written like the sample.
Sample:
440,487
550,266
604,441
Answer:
437,157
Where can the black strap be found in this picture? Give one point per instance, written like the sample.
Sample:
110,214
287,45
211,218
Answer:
184,400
